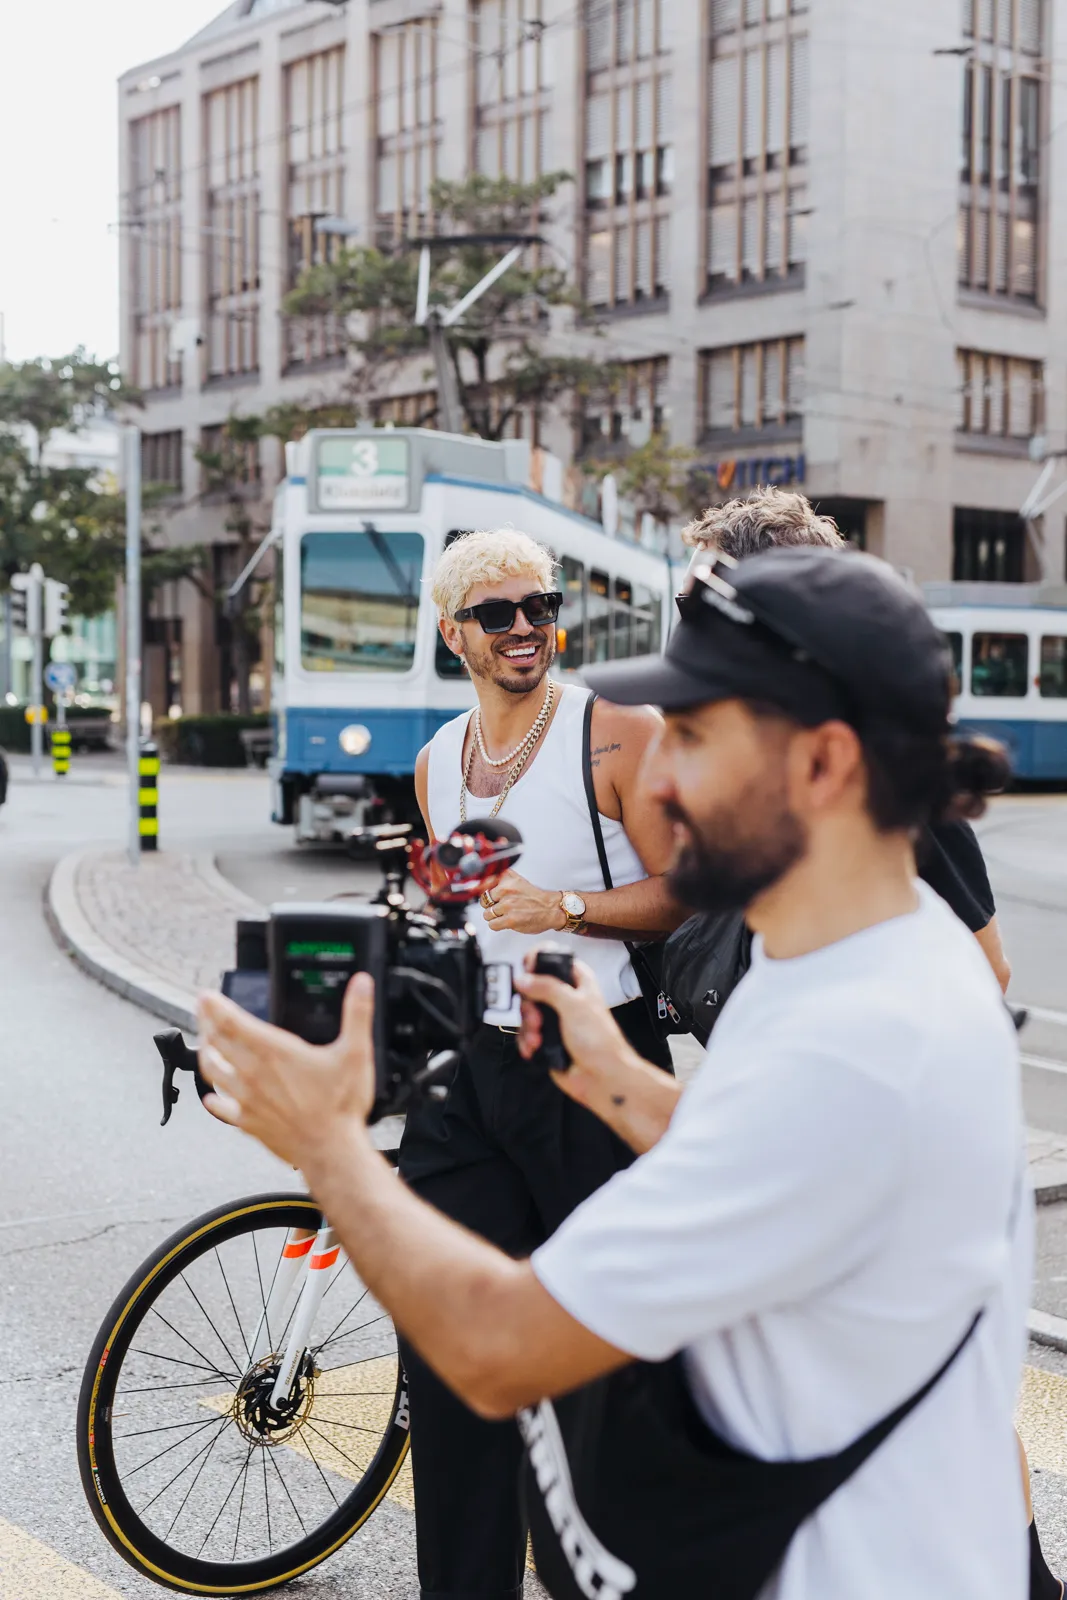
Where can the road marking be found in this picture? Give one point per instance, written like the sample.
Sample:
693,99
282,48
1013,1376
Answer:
1043,1014
1041,1418
1044,1064
29,1570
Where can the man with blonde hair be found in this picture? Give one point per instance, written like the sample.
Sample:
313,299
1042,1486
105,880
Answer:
506,1154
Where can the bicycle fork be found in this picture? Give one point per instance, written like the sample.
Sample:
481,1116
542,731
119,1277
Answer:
315,1255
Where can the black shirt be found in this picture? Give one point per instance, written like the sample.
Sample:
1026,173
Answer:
950,860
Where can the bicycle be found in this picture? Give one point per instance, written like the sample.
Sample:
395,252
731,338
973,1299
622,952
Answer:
244,1408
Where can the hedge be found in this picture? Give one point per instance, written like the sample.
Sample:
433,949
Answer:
211,741
14,729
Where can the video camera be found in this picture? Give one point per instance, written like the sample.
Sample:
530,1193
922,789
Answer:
431,985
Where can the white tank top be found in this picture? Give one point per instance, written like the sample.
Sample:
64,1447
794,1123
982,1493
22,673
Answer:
549,808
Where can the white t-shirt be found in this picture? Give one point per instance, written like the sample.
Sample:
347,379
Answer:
832,1203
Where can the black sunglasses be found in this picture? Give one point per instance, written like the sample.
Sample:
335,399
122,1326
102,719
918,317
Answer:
498,616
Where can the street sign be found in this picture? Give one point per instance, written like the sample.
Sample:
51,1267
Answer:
60,676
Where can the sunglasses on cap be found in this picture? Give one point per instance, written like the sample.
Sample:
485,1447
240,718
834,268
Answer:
498,616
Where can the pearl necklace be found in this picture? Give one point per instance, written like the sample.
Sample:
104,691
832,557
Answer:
526,749
505,761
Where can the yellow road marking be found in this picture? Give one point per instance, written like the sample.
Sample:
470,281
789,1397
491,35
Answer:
1041,1418
29,1570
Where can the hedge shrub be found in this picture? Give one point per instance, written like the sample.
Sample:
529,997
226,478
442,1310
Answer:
211,741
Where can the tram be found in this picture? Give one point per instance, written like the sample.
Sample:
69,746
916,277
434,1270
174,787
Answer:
362,678
1011,672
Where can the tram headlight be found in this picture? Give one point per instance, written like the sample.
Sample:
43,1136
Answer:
355,739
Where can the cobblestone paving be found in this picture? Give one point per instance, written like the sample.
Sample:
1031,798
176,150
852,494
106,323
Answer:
172,915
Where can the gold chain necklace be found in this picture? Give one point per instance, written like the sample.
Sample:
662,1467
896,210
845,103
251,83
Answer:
529,744
504,761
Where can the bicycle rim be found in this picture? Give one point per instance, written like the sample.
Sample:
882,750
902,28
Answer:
182,1473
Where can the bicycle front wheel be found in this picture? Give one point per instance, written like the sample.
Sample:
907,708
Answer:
198,1480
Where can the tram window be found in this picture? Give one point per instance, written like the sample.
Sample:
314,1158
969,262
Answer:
622,620
646,622
572,614
359,600
1053,678
279,613
1000,665
599,617
955,644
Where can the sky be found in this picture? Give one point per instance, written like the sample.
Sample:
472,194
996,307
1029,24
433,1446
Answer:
59,164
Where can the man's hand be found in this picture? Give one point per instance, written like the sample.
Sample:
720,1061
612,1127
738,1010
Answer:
607,1075
519,907
290,1095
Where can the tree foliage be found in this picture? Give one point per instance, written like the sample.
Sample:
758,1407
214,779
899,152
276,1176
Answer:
500,350
67,518
655,477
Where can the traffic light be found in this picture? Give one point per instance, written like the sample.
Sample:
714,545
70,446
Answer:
56,596
20,585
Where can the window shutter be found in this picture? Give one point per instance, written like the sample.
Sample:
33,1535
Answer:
753,13
1021,387
722,242
624,30
1030,26
509,160
750,238
794,378
664,120
623,116
725,16
753,104
387,183
721,405
981,251
1024,267
598,268
725,76
774,217
749,392
963,407
1001,237
597,126
487,151
799,89
643,116
622,265
598,34
488,46
775,129
985,19
997,394
529,149
662,282
646,28
643,261
771,406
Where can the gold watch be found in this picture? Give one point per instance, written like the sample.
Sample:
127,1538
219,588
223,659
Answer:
574,910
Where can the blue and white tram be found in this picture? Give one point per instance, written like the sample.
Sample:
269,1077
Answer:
1011,670
362,679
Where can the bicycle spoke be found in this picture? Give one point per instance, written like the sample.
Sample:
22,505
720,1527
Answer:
206,1453
168,1427
161,1453
234,1362
155,1355
355,1427
194,1348
262,1297
309,1424
161,1388
208,1447
346,1316
285,1486
226,1502
266,1501
382,1317
233,1306
241,1507
322,1475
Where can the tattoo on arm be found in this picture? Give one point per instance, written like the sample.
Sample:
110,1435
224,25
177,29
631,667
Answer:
603,750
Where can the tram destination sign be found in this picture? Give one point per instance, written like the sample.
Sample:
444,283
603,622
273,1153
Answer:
362,474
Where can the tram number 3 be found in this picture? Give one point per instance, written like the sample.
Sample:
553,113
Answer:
364,462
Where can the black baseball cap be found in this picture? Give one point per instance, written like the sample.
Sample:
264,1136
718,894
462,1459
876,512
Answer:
822,634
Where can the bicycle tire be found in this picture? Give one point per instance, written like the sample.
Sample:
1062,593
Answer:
138,1544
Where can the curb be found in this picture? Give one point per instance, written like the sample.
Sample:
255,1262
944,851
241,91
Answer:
1047,1330
75,934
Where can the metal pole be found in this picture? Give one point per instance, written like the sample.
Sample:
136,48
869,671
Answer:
35,618
449,409
132,462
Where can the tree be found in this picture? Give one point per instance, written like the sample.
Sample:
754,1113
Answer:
500,350
655,477
65,517
231,476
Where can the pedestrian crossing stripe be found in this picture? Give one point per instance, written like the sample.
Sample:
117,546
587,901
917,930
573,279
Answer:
29,1570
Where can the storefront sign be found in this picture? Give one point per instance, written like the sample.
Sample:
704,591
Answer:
734,475
361,474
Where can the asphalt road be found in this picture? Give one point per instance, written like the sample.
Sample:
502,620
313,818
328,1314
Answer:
90,1183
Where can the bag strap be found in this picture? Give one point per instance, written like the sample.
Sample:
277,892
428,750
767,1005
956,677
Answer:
590,793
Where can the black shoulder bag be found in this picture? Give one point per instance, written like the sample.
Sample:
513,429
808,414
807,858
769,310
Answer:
645,958
687,979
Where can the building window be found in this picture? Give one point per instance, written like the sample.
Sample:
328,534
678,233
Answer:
752,386
155,227
1000,158
231,118
629,157
634,412
757,142
987,546
406,410
161,460
511,82
1000,396
314,98
238,466
407,128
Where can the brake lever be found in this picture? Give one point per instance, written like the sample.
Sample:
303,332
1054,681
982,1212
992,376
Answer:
177,1057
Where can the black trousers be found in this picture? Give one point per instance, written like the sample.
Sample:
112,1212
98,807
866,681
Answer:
509,1156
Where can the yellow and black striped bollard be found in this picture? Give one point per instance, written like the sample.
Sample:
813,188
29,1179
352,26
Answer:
148,796
60,739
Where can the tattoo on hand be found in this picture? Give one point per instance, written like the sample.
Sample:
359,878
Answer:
618,1099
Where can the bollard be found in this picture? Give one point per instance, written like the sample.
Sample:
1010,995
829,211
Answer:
60,740
148,796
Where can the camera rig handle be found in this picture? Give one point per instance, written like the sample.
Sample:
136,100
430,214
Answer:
177,1057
